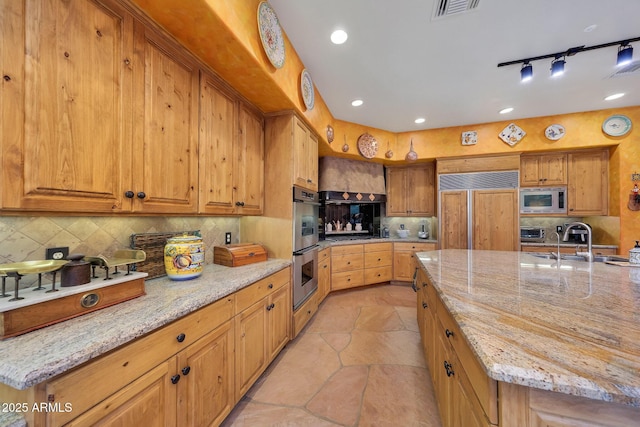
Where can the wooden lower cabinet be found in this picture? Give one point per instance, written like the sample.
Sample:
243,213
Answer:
262,329
304,313
324,274
403,259
378,263
189,372
347,267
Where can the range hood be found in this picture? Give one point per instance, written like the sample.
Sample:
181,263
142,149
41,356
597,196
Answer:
350,181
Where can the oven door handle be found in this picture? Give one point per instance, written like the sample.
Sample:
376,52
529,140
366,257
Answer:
305,250
305,202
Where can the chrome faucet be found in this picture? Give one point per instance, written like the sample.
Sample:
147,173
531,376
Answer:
589,254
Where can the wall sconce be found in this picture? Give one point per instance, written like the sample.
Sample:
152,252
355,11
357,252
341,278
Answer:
526,72
557,66
625,54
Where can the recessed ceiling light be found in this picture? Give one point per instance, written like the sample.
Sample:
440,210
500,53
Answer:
339,36
506,110
357,102
614,96
420,120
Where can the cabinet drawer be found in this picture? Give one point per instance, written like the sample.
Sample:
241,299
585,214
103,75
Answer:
255,292
377,259
102,377
324,254
414,247
347,279
377,247
347,263
346,249
378,274
485,389
303,314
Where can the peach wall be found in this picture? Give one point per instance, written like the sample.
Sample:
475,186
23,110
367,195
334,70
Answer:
224,34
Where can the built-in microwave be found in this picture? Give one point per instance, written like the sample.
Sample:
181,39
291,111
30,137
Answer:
543,200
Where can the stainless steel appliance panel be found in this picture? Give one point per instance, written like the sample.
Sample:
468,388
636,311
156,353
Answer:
305,275
305,218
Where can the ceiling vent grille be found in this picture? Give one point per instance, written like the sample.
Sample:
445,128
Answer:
630,68
451,7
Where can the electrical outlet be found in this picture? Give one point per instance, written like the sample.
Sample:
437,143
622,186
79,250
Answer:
227,237
559,228
57,253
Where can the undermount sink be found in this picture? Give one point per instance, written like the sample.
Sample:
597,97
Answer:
569,257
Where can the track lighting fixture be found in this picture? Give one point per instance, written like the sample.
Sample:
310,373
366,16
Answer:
625,55
526,72
557,66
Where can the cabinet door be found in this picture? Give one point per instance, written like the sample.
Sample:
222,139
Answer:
67,112
148,401
553,169
312,161
251,346
165,159
588,188
442,383
396,202
205,389
324,274
305,150
403,266
495,220
218,119
279,313
420,191
529,171
454,212
249,164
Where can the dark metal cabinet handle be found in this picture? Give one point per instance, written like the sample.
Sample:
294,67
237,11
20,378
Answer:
141,195
413,286
424,284
424,305
181,337
270,286
186,370
129,194
270,306
175,379
447,367
448,333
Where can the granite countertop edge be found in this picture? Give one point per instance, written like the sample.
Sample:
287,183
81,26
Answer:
39,355
528,374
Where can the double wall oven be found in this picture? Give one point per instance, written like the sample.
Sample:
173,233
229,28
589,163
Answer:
305,244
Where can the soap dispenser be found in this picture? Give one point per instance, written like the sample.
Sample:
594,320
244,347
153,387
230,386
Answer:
634,254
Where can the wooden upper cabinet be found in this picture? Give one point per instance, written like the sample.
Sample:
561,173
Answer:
543,169
66,114
305,156
411,190
231,172
165,153
249,163
218,118
588,189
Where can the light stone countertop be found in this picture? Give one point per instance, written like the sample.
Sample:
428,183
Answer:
36,356
572,328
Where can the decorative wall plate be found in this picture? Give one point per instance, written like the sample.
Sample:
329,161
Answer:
271,34
554,132
306,86
329,134
469,138
617,125
367,145
512,134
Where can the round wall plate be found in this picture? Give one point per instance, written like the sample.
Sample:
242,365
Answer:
554,132
271,34
367,146
306,87
616,125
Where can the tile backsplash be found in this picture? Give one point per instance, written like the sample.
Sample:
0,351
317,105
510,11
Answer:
24,238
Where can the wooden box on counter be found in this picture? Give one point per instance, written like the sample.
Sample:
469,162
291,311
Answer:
239,254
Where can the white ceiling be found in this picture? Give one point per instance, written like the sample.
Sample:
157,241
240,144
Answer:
405,65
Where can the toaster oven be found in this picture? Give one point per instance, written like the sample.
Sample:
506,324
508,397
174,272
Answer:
532,234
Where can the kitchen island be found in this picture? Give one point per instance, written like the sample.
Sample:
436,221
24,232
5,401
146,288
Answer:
532,324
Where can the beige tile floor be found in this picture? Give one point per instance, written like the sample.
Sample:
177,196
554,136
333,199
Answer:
358,362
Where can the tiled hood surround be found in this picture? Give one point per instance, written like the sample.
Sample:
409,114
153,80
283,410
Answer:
353,176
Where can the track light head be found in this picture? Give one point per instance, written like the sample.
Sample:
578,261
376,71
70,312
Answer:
625,54
557,66
526,72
